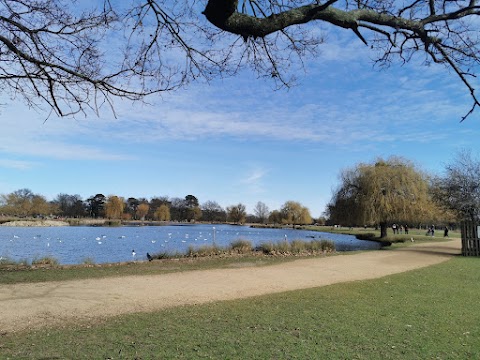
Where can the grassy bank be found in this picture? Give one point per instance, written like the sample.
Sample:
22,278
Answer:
418,235
424,314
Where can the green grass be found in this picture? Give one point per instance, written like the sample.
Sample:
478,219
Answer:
416,234
430,313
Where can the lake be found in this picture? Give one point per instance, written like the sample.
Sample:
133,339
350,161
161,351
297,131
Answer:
76,244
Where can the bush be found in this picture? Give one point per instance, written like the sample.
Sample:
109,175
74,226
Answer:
298,247
88,261
266,248
327,245
206,250
241,247
8,262
45,261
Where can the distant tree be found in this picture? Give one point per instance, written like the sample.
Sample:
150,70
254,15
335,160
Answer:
275,217
383,192
18,203
96,205
114,207
294,213
24,202
70,205
459,188
40,206
261,212
213,212
194,214
142,211
162,213
191,201
192,211
155,203
131,207
178,209
236,213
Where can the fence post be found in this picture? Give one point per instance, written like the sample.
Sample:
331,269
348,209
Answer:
470,240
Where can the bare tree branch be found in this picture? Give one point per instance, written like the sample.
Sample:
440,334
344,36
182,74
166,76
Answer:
73,58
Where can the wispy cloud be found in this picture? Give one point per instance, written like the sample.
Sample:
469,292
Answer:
16,164
253,179
339,103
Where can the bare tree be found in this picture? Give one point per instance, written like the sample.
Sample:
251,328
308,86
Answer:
261,212
236,213
459,189
74,58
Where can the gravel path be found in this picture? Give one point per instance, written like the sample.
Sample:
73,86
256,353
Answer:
26,306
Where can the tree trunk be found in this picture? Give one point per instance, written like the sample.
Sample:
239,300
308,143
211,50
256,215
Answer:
383,230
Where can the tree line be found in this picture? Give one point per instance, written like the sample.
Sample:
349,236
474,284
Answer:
380,193
25,203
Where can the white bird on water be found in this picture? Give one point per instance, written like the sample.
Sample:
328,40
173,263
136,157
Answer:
133,254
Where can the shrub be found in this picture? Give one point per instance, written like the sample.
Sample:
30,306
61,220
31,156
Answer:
266,248
205,250
88,261
327,245
298,246
241,247
47,260
162,255
7,261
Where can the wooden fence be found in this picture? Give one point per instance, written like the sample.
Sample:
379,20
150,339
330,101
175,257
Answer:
470,240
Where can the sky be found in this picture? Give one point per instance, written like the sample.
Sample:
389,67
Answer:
238,140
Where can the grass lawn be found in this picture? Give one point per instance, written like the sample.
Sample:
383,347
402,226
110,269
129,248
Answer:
416,234
431,313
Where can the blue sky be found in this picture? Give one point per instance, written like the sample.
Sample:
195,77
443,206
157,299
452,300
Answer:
238,140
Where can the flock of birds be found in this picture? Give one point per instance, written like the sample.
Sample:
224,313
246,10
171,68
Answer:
176,238
103,238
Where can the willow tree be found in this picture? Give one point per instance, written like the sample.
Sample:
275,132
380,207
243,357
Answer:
294,213
114,207
383,192
142,211
162,213
73,55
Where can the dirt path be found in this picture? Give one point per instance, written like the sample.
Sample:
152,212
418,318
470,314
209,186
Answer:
26,306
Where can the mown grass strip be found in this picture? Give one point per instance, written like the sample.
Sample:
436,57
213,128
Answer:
430,313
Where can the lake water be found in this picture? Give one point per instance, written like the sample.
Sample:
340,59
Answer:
73,245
